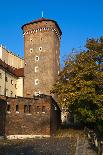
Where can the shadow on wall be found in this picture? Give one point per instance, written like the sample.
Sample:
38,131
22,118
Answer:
2,117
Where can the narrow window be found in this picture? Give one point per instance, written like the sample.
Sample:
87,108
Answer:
25,108
36,69
29,108
31,50
15,86
17,108
36,58
8,108
12,82
40,48
36,81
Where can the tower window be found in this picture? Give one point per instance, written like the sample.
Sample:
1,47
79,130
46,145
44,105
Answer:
36,69
37,93
17,108
36,58
40,48
36,81
31,50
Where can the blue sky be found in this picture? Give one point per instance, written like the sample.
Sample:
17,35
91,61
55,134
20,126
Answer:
78,20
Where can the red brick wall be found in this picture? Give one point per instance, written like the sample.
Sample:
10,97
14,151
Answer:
43,118
35,123
48,64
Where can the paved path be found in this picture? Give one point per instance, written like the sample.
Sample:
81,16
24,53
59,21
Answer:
83,148
48,146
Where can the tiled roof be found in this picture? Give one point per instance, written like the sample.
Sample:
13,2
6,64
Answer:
43,19
17,72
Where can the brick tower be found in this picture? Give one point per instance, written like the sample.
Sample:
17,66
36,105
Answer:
41,56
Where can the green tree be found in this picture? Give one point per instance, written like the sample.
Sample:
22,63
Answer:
80,84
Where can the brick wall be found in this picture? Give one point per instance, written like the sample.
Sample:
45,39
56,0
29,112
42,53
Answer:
40,119
40,40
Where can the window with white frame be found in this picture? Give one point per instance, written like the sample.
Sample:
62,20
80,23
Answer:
31,50
36,81
40,48
36,69
37,58
37,93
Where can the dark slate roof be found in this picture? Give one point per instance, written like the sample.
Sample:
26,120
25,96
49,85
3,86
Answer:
43,19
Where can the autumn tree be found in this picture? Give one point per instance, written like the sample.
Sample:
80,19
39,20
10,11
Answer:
80,84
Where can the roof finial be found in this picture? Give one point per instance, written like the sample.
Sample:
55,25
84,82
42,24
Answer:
42,14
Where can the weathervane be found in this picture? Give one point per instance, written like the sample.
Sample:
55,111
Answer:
42,14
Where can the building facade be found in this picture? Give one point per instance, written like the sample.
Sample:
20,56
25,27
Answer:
26,107
10,58
41,56
11,74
